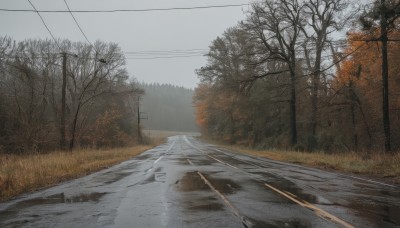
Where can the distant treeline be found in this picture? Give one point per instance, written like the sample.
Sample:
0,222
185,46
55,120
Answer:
167,107
98,108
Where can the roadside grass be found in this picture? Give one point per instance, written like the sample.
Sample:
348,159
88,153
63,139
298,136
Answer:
379,165
26,173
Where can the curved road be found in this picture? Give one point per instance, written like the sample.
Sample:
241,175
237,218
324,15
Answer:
188,183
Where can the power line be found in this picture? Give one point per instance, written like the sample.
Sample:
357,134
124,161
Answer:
176,51
164,57
336,62
124,10
76,22
44,23
165,54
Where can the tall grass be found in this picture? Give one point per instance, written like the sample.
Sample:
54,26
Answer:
25,173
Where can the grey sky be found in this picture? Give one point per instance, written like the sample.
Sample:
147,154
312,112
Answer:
133,31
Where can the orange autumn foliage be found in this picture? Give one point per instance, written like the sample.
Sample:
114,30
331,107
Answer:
363,68
361,73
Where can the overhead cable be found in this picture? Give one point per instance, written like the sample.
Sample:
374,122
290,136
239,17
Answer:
76,22
124,10
44,23
165,57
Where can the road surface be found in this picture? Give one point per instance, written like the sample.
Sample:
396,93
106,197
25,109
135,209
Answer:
188,183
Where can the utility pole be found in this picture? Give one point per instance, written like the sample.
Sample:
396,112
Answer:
140,117
385,76
63,102
138,121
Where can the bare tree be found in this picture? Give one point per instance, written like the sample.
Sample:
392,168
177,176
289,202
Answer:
322,20
277,26
31,88
90,78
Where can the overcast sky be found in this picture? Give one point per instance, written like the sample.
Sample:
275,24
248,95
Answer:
133,31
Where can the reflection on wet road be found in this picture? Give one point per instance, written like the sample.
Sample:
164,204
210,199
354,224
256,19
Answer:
187,183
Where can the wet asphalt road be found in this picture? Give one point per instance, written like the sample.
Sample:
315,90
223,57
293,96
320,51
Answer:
187,183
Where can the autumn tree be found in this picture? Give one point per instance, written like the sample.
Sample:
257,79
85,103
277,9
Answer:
360,79
385,17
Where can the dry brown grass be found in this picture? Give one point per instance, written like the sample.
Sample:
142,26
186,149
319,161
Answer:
377,165
26,173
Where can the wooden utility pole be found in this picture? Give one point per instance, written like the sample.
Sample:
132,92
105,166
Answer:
63,102
138,122
385,76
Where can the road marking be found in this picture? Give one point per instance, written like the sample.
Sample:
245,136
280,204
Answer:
318,211
279,163
158,159
190,162
372,181
223,198
247,162
226,201
222,162
173,144
194,147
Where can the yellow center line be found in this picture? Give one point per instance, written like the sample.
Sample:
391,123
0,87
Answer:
222,162
318,211
226,201
190,162
223,198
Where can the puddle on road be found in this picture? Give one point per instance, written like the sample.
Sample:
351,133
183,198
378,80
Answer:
225,186
374,210
60,198
380,214
275,224
114,177
193,182
289,186
207,207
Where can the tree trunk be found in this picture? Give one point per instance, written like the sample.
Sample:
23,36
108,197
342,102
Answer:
385,80
314,97
293,120
63,102
75,121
